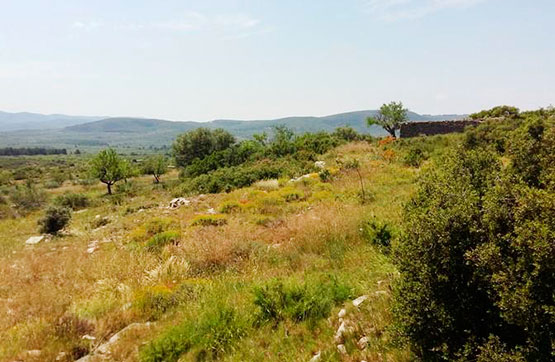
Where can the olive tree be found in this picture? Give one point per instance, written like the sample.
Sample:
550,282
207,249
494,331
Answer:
109,168
155,166
200,143
389,117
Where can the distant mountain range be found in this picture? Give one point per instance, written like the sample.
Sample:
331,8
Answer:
28,129
26,120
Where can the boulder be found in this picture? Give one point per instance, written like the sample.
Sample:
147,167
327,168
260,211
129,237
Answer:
342,313
320,164
341,348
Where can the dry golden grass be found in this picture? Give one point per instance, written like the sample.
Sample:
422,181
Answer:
316,231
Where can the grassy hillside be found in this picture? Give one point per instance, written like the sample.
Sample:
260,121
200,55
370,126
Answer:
361,255
304,234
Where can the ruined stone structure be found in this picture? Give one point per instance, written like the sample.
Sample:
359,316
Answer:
415,129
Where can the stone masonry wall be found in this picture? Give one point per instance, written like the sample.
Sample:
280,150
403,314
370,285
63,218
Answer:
415,129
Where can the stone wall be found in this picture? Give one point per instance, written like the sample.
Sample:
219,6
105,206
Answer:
415,129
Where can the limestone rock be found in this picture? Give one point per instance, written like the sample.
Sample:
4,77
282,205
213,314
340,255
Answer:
179,201
342,313
341,348
359,300
316,357
362,343
320,164
34,240
338,338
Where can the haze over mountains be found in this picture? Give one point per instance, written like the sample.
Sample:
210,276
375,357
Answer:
28,129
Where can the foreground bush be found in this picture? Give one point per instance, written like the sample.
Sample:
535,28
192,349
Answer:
207,337
299,302
55,219
477,261
377,232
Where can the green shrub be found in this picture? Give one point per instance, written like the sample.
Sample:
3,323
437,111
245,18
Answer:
414,157
72,201
230,207
28,197
54,220
311,301
477,259
325,175
377,232
153,302
129,188
209,220
52,184
162,239
208,337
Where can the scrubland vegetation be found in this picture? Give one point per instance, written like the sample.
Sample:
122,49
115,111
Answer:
451,239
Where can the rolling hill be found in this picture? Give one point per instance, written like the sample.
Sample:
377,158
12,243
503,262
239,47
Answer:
27,121
142,132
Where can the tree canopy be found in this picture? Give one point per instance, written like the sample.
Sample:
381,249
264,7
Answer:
109,168
155,166
200,143
389,117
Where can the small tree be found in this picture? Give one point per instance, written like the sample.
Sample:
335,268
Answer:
109,168
389,117
55,219
155,166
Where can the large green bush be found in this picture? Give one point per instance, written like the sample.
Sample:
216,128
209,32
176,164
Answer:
477,259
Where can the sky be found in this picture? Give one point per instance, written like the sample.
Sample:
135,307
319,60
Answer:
259,59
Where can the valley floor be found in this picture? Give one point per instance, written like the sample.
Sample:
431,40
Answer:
202,274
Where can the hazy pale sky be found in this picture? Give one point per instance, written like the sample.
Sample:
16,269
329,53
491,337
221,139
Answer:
254,59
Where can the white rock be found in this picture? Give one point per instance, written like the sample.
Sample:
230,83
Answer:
338,338
359,300
320,164
342,313
179,201
316,357
341,348
106,347
362,343
61,356
211,211
34,240
88,337
92,249
34,353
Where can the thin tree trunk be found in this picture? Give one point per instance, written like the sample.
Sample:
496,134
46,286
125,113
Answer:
361,186
109,185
